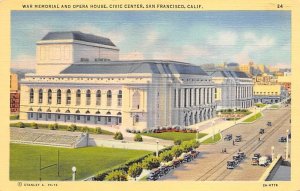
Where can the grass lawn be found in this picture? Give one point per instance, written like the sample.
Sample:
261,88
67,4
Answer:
260,105
14,117
275,106
174,135
211,140
25,161
253,118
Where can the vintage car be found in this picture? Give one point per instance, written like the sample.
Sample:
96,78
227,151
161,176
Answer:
261,131
238,138
228,137
242,155
282,139
255,161
231,164
269,123
263,161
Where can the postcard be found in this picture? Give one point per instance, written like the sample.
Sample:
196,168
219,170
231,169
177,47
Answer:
163,95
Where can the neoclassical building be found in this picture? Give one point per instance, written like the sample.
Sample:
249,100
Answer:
79,79
234,89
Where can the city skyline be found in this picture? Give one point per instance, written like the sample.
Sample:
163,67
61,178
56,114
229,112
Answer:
195,37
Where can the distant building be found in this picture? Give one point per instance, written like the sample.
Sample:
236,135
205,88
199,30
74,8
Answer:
269,94
14,94
232,66
234,89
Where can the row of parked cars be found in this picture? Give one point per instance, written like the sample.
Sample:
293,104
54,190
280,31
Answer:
165,168
228,137
236,160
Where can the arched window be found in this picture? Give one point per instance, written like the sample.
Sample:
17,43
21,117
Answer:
136,100
78,97
119,117
88,97
109,117
136,119
120,98
68,97
98,97
40,96
109,96
31,96
58,97
49,96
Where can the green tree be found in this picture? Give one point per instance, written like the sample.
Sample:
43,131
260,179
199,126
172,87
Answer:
150,163
166,156
117,175
186,146
138,138
34,125
135,170
177,142
118,136
176,151
98,130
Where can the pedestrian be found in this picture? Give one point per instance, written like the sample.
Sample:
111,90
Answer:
224,150
258,138
233,142
239,150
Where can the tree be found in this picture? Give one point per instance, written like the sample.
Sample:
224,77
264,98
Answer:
138,138
177,142
118,136
72,127
98,130
166,156
21,125
117,175
34,125
176,151
186,146
150,162
135,170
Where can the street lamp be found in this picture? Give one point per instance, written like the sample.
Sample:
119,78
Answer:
273,154
157,148
287,145
213,128
73,173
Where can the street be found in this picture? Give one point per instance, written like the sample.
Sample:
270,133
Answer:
211,165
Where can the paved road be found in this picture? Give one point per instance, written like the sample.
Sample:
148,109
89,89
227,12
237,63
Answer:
212,163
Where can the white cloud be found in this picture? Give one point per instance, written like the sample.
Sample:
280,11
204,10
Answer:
23,62
225,38
194,51
132,56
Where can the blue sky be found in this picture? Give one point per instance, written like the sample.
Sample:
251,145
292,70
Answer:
196,37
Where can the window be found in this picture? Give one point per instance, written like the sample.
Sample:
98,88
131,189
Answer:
109,96
49,96
58,116
99,118
88,118
120,98
31,115
109,119
78,97
68,117
31,96
40,115
40,96
68,99
136,119
58,97
49,115
136,100
98,97
88,97
78,117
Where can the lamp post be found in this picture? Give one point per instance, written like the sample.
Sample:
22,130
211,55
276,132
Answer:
73,173
273,154
213,128
287,145
197,134
157,148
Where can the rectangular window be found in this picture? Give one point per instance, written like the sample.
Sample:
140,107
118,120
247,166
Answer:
99,118
49,116
40,115
88,118
58,116
31,115
68,117
108,119
175,92
78,117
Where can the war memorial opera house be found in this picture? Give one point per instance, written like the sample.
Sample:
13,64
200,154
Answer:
79,79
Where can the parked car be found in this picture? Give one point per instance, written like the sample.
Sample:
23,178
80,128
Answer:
282,139
228,137
231,164
236,158
154,174
195,153
263,161
176,163
238,138
255,161
269,123
187,158
242,155
261,131
257,155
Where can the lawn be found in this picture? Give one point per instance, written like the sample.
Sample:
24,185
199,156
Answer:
174,135
211,140
25,161
253,118
260,105
275,106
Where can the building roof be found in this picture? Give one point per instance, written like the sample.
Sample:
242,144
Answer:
228,74
77,35
141,66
